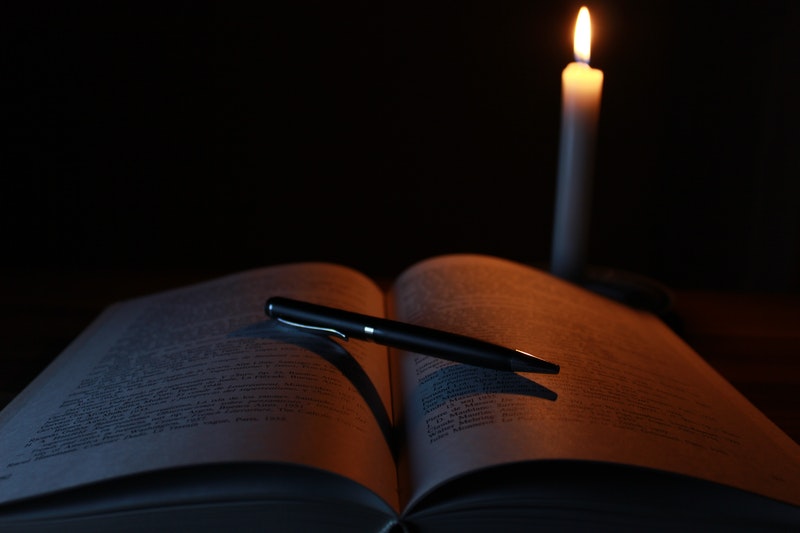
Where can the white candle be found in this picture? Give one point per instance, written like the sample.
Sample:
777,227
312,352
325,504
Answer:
581,88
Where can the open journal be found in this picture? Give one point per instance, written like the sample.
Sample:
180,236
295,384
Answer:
191,408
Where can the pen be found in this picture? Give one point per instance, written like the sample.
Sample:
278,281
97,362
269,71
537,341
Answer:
418,339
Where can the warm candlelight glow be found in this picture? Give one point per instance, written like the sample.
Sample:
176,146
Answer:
582,45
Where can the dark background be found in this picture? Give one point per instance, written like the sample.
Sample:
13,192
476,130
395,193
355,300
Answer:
223,136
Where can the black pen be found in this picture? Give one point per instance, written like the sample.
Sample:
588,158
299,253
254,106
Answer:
418,339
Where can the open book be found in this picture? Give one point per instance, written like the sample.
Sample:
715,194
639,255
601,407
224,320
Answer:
191,408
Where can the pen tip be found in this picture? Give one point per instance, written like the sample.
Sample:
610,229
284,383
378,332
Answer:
530,363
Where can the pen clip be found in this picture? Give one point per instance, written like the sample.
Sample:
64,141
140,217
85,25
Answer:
315,329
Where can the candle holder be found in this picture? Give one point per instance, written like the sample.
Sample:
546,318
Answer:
634,290
631,289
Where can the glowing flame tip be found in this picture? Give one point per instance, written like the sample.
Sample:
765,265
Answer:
582,45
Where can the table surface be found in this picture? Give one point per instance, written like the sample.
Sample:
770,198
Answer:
752,339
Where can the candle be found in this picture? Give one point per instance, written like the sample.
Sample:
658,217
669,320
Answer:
581,88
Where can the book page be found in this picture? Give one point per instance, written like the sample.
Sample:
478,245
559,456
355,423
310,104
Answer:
200,375
629,390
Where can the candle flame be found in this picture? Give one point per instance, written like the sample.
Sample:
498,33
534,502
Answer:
582,45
